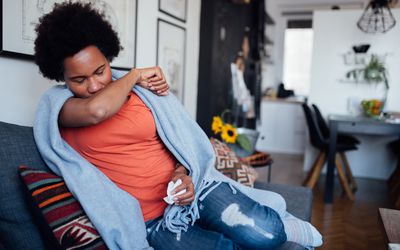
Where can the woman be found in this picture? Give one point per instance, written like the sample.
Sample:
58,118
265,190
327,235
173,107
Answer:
131,137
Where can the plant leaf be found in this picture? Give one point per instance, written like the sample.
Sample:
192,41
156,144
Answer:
244,142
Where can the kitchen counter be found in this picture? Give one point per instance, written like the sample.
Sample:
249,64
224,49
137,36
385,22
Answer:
294,100
282,127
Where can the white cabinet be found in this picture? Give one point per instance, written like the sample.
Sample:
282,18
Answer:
282,127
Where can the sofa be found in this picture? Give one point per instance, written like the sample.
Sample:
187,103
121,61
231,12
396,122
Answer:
19,228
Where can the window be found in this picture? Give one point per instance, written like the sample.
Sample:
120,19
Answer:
297,56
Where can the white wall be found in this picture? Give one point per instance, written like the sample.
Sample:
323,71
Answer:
274,72
21,84
335,32
146,42
277,34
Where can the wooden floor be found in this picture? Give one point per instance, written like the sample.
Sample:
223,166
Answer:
343,224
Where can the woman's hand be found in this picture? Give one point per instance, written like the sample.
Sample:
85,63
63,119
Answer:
153,78
187,197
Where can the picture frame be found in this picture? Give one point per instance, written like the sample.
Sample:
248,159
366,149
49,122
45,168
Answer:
171,53
19,18
174,8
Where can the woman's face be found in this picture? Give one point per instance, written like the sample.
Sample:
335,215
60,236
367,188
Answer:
87,72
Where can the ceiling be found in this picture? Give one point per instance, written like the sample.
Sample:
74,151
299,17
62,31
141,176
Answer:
310,5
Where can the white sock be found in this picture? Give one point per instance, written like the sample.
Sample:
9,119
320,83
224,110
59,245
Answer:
301,232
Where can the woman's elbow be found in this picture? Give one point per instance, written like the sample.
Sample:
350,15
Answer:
74,113
97,115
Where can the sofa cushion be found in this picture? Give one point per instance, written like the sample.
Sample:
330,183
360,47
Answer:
60,211
298,199
228,163
17,229
289,245
298,202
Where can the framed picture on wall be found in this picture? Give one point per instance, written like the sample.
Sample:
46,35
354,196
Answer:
19,18
171,43
174,8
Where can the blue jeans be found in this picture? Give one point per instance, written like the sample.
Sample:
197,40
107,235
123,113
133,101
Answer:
227,221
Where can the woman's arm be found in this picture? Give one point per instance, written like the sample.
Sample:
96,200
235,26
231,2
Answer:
78,112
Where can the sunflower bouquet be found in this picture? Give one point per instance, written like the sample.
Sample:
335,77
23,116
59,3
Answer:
228,132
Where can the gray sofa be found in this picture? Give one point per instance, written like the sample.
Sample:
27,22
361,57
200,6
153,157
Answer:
18,229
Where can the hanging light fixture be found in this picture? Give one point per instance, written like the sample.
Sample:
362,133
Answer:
377,17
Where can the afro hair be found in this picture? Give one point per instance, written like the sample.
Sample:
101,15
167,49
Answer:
66,30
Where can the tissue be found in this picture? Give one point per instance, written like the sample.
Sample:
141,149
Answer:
171,186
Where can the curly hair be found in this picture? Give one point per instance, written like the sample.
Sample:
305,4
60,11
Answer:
66,30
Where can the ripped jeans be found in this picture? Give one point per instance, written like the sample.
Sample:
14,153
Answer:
227,221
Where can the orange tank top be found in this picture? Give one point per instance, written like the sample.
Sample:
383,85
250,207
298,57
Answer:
128,150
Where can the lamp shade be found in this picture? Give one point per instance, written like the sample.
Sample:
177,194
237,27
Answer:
377,17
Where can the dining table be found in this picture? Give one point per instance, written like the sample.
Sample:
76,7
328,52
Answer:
352,124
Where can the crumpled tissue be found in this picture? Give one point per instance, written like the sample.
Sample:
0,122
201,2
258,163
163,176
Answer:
171,186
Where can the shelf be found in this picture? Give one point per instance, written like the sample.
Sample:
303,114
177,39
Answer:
360,59
354,81
361,82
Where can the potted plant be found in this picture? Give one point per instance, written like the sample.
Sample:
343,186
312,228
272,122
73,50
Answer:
374,72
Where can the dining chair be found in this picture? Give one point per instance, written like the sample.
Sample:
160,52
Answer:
323,126
341,139
318,141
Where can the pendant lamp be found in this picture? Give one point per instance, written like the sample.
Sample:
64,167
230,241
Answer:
377,17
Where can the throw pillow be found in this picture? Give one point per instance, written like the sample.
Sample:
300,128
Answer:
61,211
228,163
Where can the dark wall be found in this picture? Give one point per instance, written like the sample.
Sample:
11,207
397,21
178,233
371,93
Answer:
218,50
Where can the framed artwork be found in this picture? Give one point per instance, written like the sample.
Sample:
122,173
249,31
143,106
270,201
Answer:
19,18
174,8
171,43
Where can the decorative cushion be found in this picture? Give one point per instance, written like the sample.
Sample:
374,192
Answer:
61,211
228,163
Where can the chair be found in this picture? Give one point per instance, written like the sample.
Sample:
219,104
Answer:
341,139
319,142
323,126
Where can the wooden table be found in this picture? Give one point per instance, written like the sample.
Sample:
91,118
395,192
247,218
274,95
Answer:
391,223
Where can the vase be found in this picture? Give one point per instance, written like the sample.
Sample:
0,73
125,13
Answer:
252,135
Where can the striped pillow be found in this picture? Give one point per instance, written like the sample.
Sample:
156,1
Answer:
61,211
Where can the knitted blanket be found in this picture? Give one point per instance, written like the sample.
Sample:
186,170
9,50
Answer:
115,213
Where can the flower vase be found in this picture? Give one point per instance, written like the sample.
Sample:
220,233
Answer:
252,135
